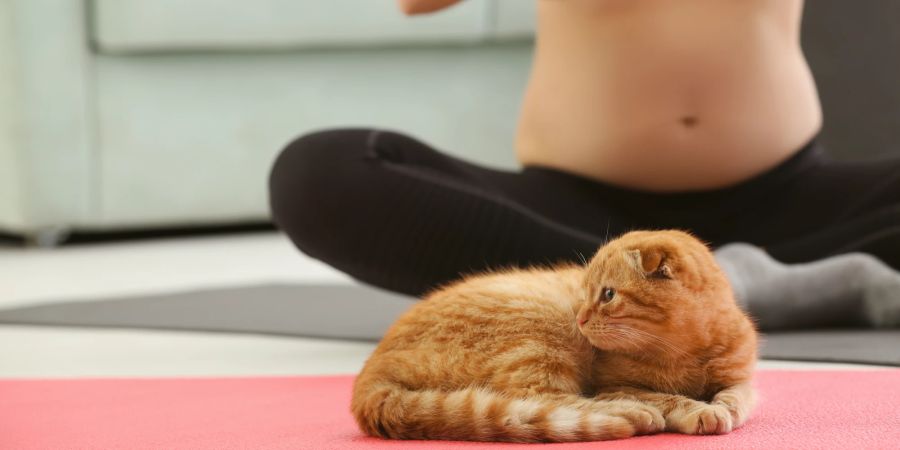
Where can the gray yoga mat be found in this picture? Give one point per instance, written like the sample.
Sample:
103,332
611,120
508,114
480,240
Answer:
359,312
332,311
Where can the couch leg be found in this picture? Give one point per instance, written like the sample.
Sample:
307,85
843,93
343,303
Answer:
47,237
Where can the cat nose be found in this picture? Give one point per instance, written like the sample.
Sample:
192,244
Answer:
582,319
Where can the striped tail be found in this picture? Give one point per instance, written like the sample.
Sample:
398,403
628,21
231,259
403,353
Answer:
472,414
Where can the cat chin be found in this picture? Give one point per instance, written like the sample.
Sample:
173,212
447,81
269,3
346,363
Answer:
609,344
600,343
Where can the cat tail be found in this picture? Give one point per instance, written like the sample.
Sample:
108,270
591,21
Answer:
476,414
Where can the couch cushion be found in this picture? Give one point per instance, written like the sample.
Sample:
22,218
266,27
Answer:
515,19
124,26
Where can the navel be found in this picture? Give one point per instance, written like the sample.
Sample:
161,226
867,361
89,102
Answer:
689,121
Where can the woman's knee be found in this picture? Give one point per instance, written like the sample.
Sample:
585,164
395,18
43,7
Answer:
312,151
308,176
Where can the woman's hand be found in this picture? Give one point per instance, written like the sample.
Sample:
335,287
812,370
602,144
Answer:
412,7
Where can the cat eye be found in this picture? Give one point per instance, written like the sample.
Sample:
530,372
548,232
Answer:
607,294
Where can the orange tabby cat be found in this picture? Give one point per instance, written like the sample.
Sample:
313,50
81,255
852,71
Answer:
647,337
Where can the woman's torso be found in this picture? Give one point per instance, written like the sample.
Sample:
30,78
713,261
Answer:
667,96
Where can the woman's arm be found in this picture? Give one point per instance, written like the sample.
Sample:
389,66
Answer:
411,7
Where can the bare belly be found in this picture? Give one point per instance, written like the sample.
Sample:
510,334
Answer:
667,96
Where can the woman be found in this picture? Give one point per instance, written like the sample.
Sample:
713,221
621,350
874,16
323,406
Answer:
639,114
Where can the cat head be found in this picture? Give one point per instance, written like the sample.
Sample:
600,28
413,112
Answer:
653,292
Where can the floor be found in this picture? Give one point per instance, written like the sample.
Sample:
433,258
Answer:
34,276
91,271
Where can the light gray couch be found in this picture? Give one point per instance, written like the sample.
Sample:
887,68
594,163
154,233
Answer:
147,113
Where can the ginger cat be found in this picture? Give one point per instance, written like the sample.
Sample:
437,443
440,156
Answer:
646,337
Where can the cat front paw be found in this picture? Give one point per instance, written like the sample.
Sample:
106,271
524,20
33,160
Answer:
706,419
645,418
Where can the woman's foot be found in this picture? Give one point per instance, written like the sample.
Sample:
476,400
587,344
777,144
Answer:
853,289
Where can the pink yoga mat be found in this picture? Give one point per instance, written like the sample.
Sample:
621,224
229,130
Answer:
798,410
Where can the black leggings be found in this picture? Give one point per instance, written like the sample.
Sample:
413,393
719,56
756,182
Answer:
391,211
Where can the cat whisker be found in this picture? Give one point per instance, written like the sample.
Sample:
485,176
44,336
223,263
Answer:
662,341
623,336
630,336
650,338
581,255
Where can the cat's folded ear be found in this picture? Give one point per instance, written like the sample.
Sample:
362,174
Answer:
649,263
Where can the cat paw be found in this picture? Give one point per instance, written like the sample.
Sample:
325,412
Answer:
706,419
645,419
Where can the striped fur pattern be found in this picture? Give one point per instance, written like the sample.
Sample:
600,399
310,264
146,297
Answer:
548,355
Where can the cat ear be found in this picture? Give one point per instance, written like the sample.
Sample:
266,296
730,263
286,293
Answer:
651,264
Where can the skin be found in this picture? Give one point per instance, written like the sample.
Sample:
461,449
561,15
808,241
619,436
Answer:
664,96
424,6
